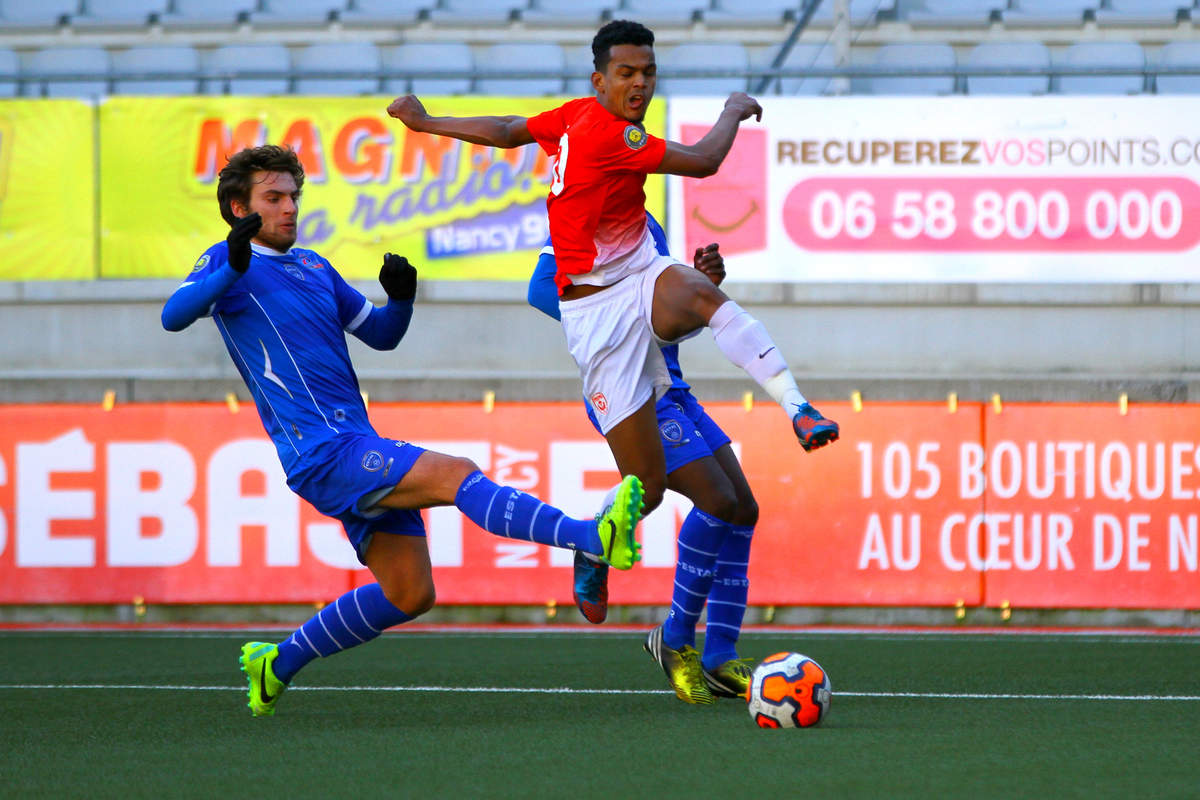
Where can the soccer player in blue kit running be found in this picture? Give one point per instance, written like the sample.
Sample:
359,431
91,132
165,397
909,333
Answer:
284,313
714,540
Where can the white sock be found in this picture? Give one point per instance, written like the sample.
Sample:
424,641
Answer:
745,342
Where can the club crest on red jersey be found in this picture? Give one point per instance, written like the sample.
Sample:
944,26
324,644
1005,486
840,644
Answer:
600,402
635,137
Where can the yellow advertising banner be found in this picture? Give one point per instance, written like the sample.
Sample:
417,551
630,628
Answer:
47,190
456,210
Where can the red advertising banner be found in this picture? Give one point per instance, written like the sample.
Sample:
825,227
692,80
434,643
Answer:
1038,506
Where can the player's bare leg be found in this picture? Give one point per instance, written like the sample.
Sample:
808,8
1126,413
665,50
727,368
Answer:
401,566
685,299
637,449
433,480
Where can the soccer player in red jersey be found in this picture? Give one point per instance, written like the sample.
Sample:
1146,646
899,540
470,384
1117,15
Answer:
619,299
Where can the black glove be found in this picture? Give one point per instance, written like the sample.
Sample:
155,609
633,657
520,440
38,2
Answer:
398,277
239,240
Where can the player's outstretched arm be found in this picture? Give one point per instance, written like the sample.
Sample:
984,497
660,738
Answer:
704,158
493,131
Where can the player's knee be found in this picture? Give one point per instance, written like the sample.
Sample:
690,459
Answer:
414,598
720,503
746,515
652,493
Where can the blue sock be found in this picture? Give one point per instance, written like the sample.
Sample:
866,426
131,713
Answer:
727,599
700,539
355,618
507,512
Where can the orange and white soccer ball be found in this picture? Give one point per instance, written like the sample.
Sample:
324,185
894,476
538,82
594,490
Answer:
788,690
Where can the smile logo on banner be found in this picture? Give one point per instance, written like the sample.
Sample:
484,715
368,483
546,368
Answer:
731,206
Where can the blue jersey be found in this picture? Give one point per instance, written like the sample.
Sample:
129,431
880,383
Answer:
543,294
284,323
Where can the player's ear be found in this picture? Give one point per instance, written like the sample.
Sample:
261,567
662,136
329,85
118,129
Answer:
238,208
598,81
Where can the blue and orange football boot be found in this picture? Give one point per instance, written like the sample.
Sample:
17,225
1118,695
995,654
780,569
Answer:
591,588
812,429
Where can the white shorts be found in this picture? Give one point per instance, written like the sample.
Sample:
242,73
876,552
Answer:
611,339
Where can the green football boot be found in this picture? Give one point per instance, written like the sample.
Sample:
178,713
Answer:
617,525
256,660
682,667
731,678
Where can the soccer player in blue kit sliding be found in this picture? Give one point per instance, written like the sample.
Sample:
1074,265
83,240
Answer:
714,540
284,313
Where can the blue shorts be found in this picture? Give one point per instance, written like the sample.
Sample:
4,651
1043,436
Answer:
338,474
688,433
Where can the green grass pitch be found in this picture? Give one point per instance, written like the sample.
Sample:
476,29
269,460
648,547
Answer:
453,714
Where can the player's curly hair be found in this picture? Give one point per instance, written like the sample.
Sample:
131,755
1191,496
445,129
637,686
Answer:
236,178
619,31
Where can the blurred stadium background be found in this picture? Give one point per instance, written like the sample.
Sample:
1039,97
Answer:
1115,340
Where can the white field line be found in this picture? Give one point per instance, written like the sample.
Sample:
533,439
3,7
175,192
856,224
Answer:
570,690
271,632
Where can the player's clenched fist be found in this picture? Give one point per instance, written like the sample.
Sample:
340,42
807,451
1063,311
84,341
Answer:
407,109
710,261
745,105
398,277
239,238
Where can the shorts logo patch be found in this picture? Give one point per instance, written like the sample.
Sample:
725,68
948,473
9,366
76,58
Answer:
635,137
202,263
600,402
372,461
671,431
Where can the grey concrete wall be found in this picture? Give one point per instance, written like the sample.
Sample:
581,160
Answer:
67,341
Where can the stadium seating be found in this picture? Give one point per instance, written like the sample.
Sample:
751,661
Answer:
10,67
1102,54
296,12
516,57
1008,54
1141,12
862,12
911,56
657,13
559,13
271,62
385,12
702,55
408,64
314,62
754,12
1048,12
807,55
1179,54
118,13
476,11
205,13
579,66
953,13
156,59
63,61
21,14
